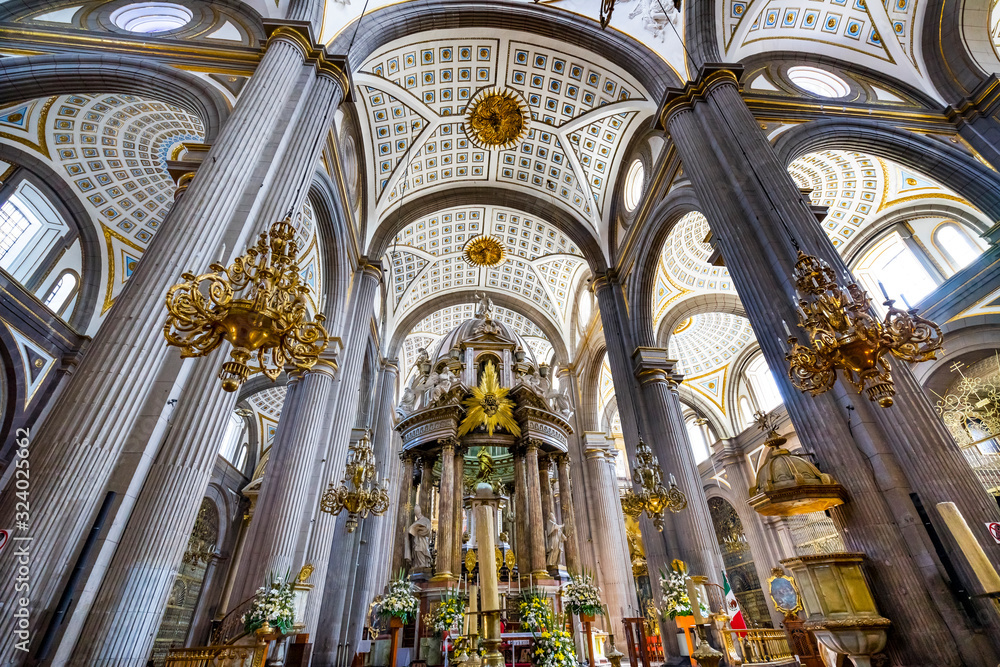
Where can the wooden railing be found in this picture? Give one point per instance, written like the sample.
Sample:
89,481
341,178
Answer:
217,656
758,647
231,628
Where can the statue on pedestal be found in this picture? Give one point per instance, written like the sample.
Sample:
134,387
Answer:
484,307
555,538
419,544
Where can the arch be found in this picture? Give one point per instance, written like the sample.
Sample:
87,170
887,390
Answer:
59,193
960,65
590,390
334,233
578,231
30,77
390,23
963,339
403,328
718,302
950,165
678,203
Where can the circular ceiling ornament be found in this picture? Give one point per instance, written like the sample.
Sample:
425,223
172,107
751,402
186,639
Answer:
487,251
497,118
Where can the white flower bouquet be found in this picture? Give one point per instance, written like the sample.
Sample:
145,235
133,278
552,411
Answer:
581,596
272,604
675,595
400,602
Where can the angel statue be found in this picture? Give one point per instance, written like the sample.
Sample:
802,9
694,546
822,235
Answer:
484,307
560,402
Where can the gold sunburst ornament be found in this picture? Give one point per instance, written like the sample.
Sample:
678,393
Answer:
489,406
486,251
496,118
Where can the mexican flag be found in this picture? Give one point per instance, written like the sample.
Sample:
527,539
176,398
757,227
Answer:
736,621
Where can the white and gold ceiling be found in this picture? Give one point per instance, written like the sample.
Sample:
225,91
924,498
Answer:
883,36
412,99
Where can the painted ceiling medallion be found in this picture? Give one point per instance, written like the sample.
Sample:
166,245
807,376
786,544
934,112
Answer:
497,118
487,251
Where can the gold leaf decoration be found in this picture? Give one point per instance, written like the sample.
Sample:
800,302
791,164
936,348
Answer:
489,406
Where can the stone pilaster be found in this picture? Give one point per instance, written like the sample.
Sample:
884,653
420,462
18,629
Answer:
276,541
446,518
536,523
321,538
85,433
457,512
691,527
404,517
614,568
571,547
755,210
522,547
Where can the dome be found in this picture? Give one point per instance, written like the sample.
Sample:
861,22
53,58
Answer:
476,328
788,484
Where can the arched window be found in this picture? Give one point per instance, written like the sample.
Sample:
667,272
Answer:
746,411
62,291
241,462
697,435
29,228
762,384
14,225
956,245
232,438
891,262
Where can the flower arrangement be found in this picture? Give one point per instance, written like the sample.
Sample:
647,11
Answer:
581,596
675,595
535,609
553,643
272,604
400,602
450,612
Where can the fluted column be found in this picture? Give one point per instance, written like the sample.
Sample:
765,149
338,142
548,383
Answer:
756,211
86,431
692,527
404,517
536,524
521,518
276,540
318,550
572,549
446,519
614,568
457,512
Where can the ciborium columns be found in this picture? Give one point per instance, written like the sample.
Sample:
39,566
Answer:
571,547
536,522
446,521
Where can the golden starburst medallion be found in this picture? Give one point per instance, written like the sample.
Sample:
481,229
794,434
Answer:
488,251
489,406
496,118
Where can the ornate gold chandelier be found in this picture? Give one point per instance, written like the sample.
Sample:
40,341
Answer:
652,497
269,318
358,492
843,334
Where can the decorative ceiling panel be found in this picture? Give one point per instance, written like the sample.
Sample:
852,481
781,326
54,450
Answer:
415,97
708,341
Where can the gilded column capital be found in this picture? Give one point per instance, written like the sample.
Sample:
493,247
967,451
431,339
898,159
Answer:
301,35
653,364
711,76
328,359
390,366
449,444
604,280
370,268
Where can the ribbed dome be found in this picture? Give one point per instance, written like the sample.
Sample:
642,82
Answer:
472,328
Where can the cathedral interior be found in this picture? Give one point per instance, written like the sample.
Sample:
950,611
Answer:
438,332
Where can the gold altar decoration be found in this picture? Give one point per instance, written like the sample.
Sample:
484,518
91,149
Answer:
497,118
652,497
268,320
788,484
358,492
484,251
843,334
489,406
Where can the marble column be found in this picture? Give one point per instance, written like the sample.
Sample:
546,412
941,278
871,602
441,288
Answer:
614,568
756,210
321,534
691,527
404,517
424,492
446,520
521,519
85,433
571,547
545,488
536,523
275,539
458,512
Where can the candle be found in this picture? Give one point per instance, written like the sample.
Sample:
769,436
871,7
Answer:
673,482
788,332
905,302
884,293
222,255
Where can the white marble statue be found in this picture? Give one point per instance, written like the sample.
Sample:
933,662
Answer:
407,402
419,544
656,15
484,307
555,538
560,402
